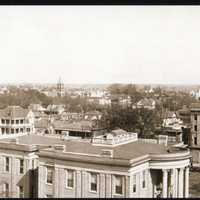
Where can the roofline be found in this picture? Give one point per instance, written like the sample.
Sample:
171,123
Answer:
97,159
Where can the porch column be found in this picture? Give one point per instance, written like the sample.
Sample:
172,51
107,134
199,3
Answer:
164,183
180,183
174,182
186,182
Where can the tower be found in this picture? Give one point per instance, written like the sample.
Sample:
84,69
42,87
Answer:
60,88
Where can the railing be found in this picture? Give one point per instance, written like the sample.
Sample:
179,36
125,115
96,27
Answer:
150,141
116,140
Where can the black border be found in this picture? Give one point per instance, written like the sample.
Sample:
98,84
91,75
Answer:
99,2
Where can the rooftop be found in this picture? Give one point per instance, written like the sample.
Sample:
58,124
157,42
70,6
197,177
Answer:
125,151
14,112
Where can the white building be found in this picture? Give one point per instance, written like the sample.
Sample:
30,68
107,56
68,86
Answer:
15,120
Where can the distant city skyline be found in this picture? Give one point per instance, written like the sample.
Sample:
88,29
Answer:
100,44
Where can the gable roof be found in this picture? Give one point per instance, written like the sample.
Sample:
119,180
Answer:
14,112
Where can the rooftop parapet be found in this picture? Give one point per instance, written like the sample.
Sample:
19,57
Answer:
115,140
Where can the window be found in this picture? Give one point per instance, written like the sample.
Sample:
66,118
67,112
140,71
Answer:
70,178
7,121
21,130
12,130
49,175
21,192
21,168
12,121
118,184
3,121
144,179
195,117
7,164
6,189
17,121
7,130
134,183
21,121
17,130
28,129
195,127
93,182
3,130
195,140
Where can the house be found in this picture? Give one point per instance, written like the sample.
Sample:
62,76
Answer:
93,115
15,120
80,128
55,109
147,103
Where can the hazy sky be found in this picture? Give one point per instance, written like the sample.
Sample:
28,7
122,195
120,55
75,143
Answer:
100,44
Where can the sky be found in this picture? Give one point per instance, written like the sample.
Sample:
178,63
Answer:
100,44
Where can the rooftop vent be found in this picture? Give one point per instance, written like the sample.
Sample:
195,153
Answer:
107,153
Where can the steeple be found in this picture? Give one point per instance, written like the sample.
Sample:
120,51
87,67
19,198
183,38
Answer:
60,88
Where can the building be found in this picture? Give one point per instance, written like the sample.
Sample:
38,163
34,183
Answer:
55,109
147,103
40,166
195,132
14,120
79,129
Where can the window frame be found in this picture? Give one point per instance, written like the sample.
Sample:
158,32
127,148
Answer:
115,185
21,167
67,179
195,127
90,184
134,189
7,164
47,168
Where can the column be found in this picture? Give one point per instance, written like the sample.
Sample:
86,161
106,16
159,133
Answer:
127,186
173,182
102,186
186,182
108,186
164,183
180,183
175,189
78,184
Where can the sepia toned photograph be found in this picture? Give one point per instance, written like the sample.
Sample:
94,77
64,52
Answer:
99,102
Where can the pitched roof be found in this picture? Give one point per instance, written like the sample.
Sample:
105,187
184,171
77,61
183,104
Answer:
14,112
81,126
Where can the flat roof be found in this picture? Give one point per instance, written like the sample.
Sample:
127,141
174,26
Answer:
127,151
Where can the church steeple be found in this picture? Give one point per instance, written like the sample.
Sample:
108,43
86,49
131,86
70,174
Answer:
60,88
